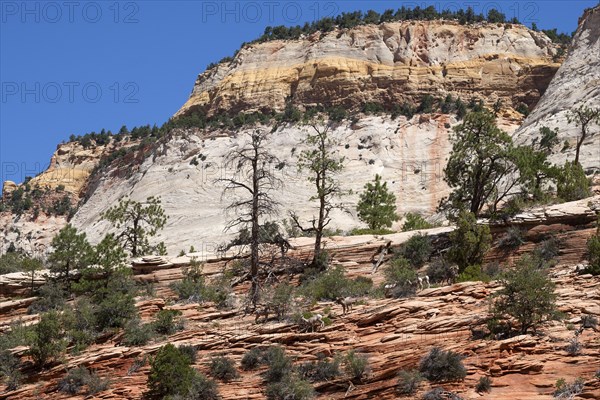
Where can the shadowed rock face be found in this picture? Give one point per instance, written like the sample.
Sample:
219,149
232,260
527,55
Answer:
389,63
576,82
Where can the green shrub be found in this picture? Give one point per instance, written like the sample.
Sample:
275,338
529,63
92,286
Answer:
18,335
252,359
51,297
202,388
367,231
473,273
96,384
469,241
408,382
10,372
527,295
547,250
190,351
115,310
280,365
439,270
332,283
414,221
571,183
512,239
320,370
440,365
170,373
166,322
399,273
48,340
192,287
136,333
356,365
74,380
80,325
417,250
484,384
593,247
223,368
290,388
279,299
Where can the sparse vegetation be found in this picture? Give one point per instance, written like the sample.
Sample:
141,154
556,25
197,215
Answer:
417,250
484,385
527,296
408,382
167,322
566,390
414,221
442,365
402,275
321,370
469,241
223,368
332,284
171,375
356,365
593,247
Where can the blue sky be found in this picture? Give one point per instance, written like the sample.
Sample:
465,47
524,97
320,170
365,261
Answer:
75,67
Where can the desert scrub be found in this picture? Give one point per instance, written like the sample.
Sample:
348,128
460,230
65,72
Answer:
408,382
356,365
167,322
320,370
252,359
484,384
223,368
136,333
442,365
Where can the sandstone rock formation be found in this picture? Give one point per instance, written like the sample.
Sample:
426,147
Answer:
387,63
8,187
409,154
576,82
394,334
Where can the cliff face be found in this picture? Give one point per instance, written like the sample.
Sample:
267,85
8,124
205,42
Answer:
387,63
409,154
576,82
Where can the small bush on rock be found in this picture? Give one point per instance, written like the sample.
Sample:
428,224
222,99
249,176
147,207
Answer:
252,359
408,382
439,393
484,384
223,368
290,388
167,322
566,390
417,250
321,370
440,365
356,365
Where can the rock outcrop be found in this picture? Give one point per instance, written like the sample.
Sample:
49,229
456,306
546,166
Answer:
393,333
576,82
387,63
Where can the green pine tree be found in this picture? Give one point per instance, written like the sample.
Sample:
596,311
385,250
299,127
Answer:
377,205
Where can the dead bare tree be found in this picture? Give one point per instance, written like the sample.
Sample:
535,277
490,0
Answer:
252,165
